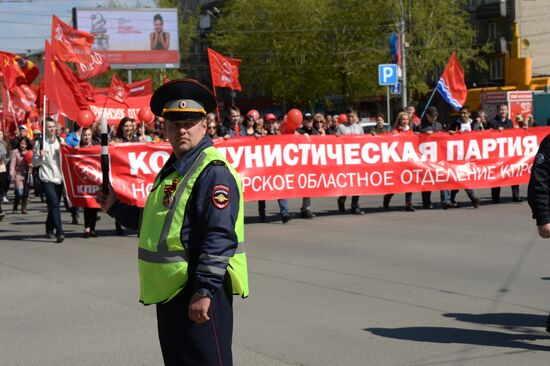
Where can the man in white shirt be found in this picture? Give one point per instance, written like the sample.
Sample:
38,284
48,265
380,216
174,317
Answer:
48,158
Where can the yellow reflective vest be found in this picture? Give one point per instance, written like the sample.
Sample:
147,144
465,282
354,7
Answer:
163,259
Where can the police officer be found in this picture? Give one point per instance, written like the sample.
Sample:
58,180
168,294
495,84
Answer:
538,193
191,233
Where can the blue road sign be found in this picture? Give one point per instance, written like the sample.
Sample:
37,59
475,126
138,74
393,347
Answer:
387,74
396,89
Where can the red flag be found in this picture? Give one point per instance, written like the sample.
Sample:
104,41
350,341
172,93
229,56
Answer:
70,44
224,70
118,90
98,66
65,91
140,88
451,84
16,70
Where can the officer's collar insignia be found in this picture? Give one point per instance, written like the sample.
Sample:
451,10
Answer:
169,190
220,196
539,159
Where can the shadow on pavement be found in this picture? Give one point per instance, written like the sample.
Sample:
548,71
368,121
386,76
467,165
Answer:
26,223
463,336
507,320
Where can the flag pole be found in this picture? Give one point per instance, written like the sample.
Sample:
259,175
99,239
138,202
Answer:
3,86
215,95
44,120
428,104
10,107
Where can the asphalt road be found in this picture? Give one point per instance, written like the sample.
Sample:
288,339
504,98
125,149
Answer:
433,287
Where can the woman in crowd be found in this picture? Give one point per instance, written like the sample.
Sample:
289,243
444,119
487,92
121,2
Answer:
319,123
401,126
90,214
144,133
19,172
211,126
248,128
125,131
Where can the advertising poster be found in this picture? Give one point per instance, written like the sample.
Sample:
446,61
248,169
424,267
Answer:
144,38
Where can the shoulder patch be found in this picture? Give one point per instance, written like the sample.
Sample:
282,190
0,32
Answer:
539,159
220,196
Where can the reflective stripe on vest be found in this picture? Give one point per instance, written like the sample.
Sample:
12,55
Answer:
162,257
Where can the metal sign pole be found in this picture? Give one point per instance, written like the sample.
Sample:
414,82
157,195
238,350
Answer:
388,104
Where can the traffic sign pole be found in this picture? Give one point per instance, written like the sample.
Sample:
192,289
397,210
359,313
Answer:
388,105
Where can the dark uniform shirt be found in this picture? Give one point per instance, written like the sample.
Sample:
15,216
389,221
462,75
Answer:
538,192
208,232
426,126
496,123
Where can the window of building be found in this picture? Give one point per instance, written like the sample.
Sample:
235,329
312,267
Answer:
492,31
496,69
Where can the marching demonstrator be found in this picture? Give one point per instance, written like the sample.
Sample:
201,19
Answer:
191,233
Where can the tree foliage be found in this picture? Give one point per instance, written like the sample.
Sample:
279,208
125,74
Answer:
298,52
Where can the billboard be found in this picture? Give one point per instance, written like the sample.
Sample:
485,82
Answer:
132,38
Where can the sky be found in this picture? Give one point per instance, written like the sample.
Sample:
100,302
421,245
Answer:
25,24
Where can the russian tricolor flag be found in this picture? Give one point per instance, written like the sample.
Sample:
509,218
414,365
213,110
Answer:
451,84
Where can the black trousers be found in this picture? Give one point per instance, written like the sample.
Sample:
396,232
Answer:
185,343
495,193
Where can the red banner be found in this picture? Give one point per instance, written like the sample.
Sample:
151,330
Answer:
136,89
115,111
224,70
292,166
70,44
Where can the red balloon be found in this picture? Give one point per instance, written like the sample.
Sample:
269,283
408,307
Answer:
342,118
28,156
254,113
145,115
294,119
85,118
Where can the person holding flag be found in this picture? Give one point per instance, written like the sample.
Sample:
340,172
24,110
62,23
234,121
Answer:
47,156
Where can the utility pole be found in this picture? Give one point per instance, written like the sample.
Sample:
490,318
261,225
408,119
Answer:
403,56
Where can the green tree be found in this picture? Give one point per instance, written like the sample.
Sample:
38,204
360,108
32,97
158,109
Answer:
279,46
434,29
298,52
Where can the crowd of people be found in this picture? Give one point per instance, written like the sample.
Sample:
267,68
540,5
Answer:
26,165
